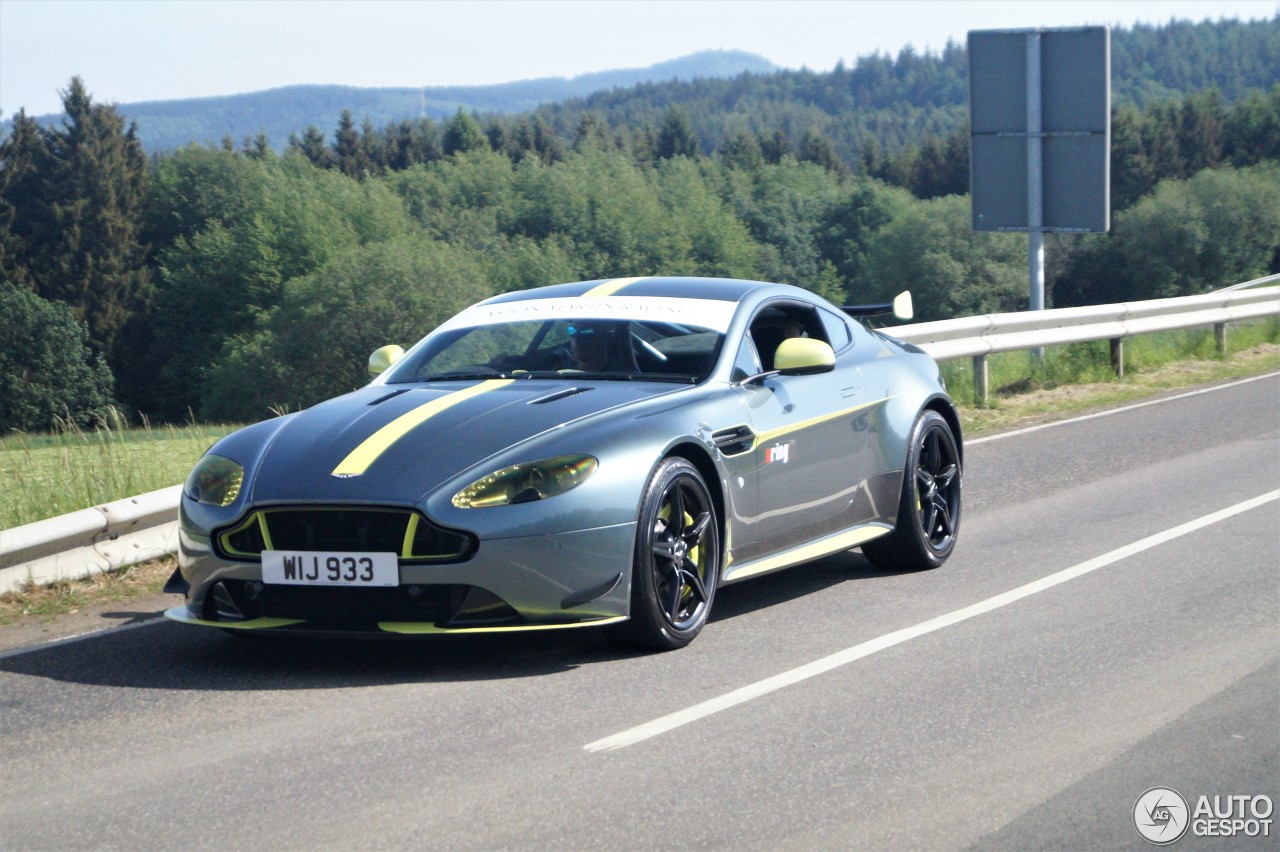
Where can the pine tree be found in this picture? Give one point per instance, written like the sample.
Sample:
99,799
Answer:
25,220
676,137
462,134
816,148
76,195
347,149
314,148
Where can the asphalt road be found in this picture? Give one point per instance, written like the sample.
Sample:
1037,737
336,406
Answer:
1147,655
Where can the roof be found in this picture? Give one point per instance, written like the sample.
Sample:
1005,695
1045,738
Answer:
721,289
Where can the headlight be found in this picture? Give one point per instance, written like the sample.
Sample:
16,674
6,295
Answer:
214,480
524,483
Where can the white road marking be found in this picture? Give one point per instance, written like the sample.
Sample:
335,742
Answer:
1111,411
680,718
79,637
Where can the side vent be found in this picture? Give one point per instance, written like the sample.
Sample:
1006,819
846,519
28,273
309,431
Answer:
735,440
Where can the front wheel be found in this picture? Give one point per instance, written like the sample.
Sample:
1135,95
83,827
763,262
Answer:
929,508
676,562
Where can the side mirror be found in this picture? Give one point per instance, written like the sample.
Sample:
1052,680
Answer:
384,357
800,356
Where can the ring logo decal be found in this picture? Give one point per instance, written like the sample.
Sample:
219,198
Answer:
777,453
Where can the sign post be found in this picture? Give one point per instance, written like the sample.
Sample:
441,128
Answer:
1040,135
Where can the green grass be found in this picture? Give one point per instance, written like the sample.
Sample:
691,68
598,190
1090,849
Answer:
52,474
1015,373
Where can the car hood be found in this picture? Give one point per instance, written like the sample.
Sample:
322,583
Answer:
395,445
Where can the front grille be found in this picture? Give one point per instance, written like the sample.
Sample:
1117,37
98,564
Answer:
344,530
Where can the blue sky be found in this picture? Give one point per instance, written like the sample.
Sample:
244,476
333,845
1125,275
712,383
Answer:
139,50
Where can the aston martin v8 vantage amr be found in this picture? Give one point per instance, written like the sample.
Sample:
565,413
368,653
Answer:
605,453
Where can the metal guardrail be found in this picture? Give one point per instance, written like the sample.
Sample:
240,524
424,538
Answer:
978,337
90,541
135,529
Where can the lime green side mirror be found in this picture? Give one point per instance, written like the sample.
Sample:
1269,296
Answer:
383,357
798,356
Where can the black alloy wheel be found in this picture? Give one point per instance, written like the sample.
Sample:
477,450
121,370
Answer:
677,559
929,508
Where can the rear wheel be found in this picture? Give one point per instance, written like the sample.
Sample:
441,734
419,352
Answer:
929,508
676,562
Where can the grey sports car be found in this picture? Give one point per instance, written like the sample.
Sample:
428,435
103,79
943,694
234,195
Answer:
605,453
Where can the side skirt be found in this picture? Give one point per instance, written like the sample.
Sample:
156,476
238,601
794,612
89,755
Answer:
834,543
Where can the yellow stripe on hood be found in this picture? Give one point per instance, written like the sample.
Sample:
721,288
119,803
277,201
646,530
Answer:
358,461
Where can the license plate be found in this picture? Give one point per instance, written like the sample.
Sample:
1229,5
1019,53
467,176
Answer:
315,568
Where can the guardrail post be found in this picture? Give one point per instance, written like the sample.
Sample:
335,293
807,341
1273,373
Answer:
1117,356
1220,338
981,379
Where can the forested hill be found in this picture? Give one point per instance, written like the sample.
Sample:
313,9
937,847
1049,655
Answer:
882,103
279,113
876,106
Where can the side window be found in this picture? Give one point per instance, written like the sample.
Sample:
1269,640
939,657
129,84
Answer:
838,334
747,363
780,320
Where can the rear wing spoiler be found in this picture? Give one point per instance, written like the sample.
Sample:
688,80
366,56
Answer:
901,307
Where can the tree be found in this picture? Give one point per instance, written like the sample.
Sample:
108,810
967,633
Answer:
313,147
74,199
1219,228
742,151
782,206
48,370
25,220
316,342
676,137
348,149
846,231
951,269
774,146
273,220
942,167
816,148
1251,131
463,134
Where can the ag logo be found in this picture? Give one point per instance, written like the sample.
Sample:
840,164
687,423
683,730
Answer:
1161,816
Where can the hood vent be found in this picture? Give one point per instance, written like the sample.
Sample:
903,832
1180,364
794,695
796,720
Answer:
558,395
391,395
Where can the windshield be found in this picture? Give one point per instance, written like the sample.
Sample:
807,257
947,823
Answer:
622,350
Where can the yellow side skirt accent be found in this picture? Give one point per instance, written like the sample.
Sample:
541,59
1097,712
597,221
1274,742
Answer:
424,627
180,613
805,553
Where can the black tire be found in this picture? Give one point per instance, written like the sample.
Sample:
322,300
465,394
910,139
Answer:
676,563
929,508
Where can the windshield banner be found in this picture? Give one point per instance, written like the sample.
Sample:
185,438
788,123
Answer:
712,314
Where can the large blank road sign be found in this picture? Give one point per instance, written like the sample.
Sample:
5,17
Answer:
1040,130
